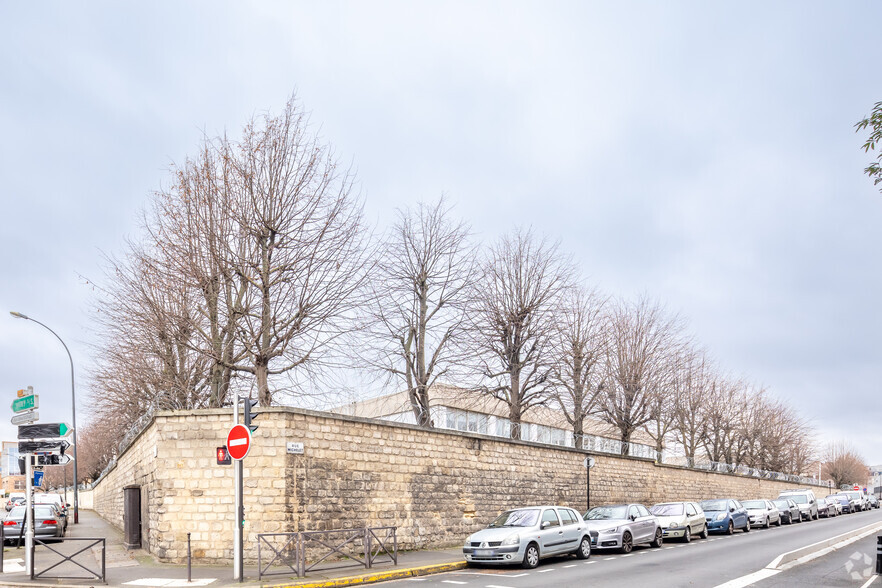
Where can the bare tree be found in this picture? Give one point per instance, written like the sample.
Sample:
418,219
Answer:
843,464
673,382
417,309
297,250
693,380
513,320
580,339
641,339
722,416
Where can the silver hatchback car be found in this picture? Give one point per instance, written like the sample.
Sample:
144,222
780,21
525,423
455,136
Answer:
622,526
524,535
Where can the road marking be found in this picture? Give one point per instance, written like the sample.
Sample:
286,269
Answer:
545,570
628,555
870,581
496,586
749,579
589,562
570,566
608,558
452,582
518,575
671,547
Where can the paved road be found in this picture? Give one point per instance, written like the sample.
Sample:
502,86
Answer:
852,565
701,563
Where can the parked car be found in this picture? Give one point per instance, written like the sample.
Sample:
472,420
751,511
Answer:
725,515
836,504
47,524
788,509
857,499
874,502
762,513
622,526
805,500
14,500
61,515
51,498
843,501
825,509
681,519
525,535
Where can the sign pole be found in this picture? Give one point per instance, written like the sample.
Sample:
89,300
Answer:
237,531
29,515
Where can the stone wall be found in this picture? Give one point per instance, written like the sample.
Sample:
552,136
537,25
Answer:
435,486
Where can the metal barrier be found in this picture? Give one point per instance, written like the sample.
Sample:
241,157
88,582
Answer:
94,575
365,546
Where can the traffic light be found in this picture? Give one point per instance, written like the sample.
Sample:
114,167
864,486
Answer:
223,456
249,404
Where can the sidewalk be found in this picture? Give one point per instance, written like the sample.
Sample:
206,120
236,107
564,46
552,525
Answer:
137,568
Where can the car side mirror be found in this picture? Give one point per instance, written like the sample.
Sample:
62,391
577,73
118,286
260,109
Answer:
545,524
633,517
731,509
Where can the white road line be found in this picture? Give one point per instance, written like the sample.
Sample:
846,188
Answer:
589,562
545,570
452,582
749,579
608,558
570,566
870,581
518,575
496,586
168,582
628,555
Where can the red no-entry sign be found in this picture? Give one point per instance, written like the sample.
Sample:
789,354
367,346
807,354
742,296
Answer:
238,441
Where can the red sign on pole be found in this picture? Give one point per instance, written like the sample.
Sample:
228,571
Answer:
856,487
238,441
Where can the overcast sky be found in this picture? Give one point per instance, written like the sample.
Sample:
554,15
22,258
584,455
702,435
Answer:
701,153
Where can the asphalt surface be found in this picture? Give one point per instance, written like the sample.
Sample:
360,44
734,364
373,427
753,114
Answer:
711,562
852,565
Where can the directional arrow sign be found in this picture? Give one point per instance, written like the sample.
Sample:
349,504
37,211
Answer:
25,403
50,447
51,460
25,417
44,431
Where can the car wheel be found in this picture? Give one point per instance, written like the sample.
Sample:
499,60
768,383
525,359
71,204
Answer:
659,539
768,523
687,535
703,533
627,542
531,557
584,551
731,529
779,521
747,526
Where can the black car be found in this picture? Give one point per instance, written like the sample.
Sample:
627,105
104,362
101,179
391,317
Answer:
789,510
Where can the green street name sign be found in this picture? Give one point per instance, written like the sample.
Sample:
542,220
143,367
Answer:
26,403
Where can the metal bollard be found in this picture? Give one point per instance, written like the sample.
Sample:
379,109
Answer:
879,554
189,577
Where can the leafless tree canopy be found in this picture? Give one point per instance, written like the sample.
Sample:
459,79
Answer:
843,464
250,269
642,340
416,313
515,300
579,350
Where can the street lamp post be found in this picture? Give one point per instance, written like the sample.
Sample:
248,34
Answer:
73,409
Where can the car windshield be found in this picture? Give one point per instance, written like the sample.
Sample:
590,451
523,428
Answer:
667,510
754,504
714,505
525,517
605,513
799,498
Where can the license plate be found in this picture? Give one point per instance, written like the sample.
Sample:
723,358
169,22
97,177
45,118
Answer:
484,552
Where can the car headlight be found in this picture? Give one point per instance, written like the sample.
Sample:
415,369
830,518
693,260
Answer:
720,516
610,530
673,525
512,540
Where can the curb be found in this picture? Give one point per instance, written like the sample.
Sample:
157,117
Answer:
379,577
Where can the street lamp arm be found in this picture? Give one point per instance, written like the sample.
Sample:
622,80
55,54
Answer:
73,409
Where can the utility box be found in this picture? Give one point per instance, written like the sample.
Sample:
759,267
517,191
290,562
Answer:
132,517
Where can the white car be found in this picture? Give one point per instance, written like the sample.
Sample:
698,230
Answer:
681,519
762,513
